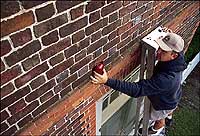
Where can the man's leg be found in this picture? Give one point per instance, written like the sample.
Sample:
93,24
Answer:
159,124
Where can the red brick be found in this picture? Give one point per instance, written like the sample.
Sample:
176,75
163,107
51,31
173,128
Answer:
10,131
25,121
111,44
29,108
49,25
124,28
95,27
71,50
111,27
97,45
80,55
77,12
124,42
80,64
46,96
18,106
60,68
96,36
23,53
30,4
7,90
57,59
84,43
113,17
94,5
65,91
78,36
110,8
45,12
5,47
72,27
10,74
38,92
37,82
4,115
138,12
62,76
4,126
50,38
2,66
94,16
31,62
83,71
55,48
64,5
21,37
127,10
9,8
14,97
112,35
16,23
31,74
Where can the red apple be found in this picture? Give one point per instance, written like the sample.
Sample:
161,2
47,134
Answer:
99,68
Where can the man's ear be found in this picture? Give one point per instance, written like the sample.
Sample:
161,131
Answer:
174,55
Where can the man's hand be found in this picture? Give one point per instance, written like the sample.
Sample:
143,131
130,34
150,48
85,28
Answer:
99,79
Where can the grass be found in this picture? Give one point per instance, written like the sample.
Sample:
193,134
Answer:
186,123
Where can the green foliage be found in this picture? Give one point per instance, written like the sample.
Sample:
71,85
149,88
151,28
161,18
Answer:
186,123
194,47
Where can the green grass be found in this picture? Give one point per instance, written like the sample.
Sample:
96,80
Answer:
186,123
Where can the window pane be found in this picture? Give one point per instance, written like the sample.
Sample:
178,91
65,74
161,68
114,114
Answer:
114,95
105,103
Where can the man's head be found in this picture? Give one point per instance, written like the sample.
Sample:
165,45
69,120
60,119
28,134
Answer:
169,46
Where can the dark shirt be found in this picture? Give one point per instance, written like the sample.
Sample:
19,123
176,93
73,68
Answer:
164,87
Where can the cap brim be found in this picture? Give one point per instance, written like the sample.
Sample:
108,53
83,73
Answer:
162,45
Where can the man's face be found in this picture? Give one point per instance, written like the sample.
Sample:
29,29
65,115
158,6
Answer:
165,55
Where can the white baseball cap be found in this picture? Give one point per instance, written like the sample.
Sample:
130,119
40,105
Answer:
171,42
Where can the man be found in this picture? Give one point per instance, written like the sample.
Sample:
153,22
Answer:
164,87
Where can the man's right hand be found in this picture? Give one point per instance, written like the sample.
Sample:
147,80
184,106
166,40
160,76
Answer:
98,78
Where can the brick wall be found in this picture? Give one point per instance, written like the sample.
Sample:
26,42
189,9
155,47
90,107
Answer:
49,48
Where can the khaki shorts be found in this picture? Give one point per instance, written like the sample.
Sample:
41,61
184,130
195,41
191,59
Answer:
160,114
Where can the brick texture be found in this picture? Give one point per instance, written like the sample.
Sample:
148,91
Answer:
48,50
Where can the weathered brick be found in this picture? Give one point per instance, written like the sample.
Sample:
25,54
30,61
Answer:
21,37
44,106
126,18
65,83
78,36
111,27
80,64
95,27
29,108
65,91
10,131
98,52
38,92
141,3
4,115
127,10
30,4
111,44
94,16
113,17
16,23
18,106
138,12
77,12
124,28
31,74
60,68
31,62
49,25
2,66
62,76
124,42
96,45
5,47
7,90
71,50
57,59
96,36
80,55
45,12
37,82
64,5
126,3
9,8
94,5
10,74
50,38
112,35
55,48
24,121
4,126
46,96
23,53
83,70
110,8
81,81
14,97
84,43
72,27
61,128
